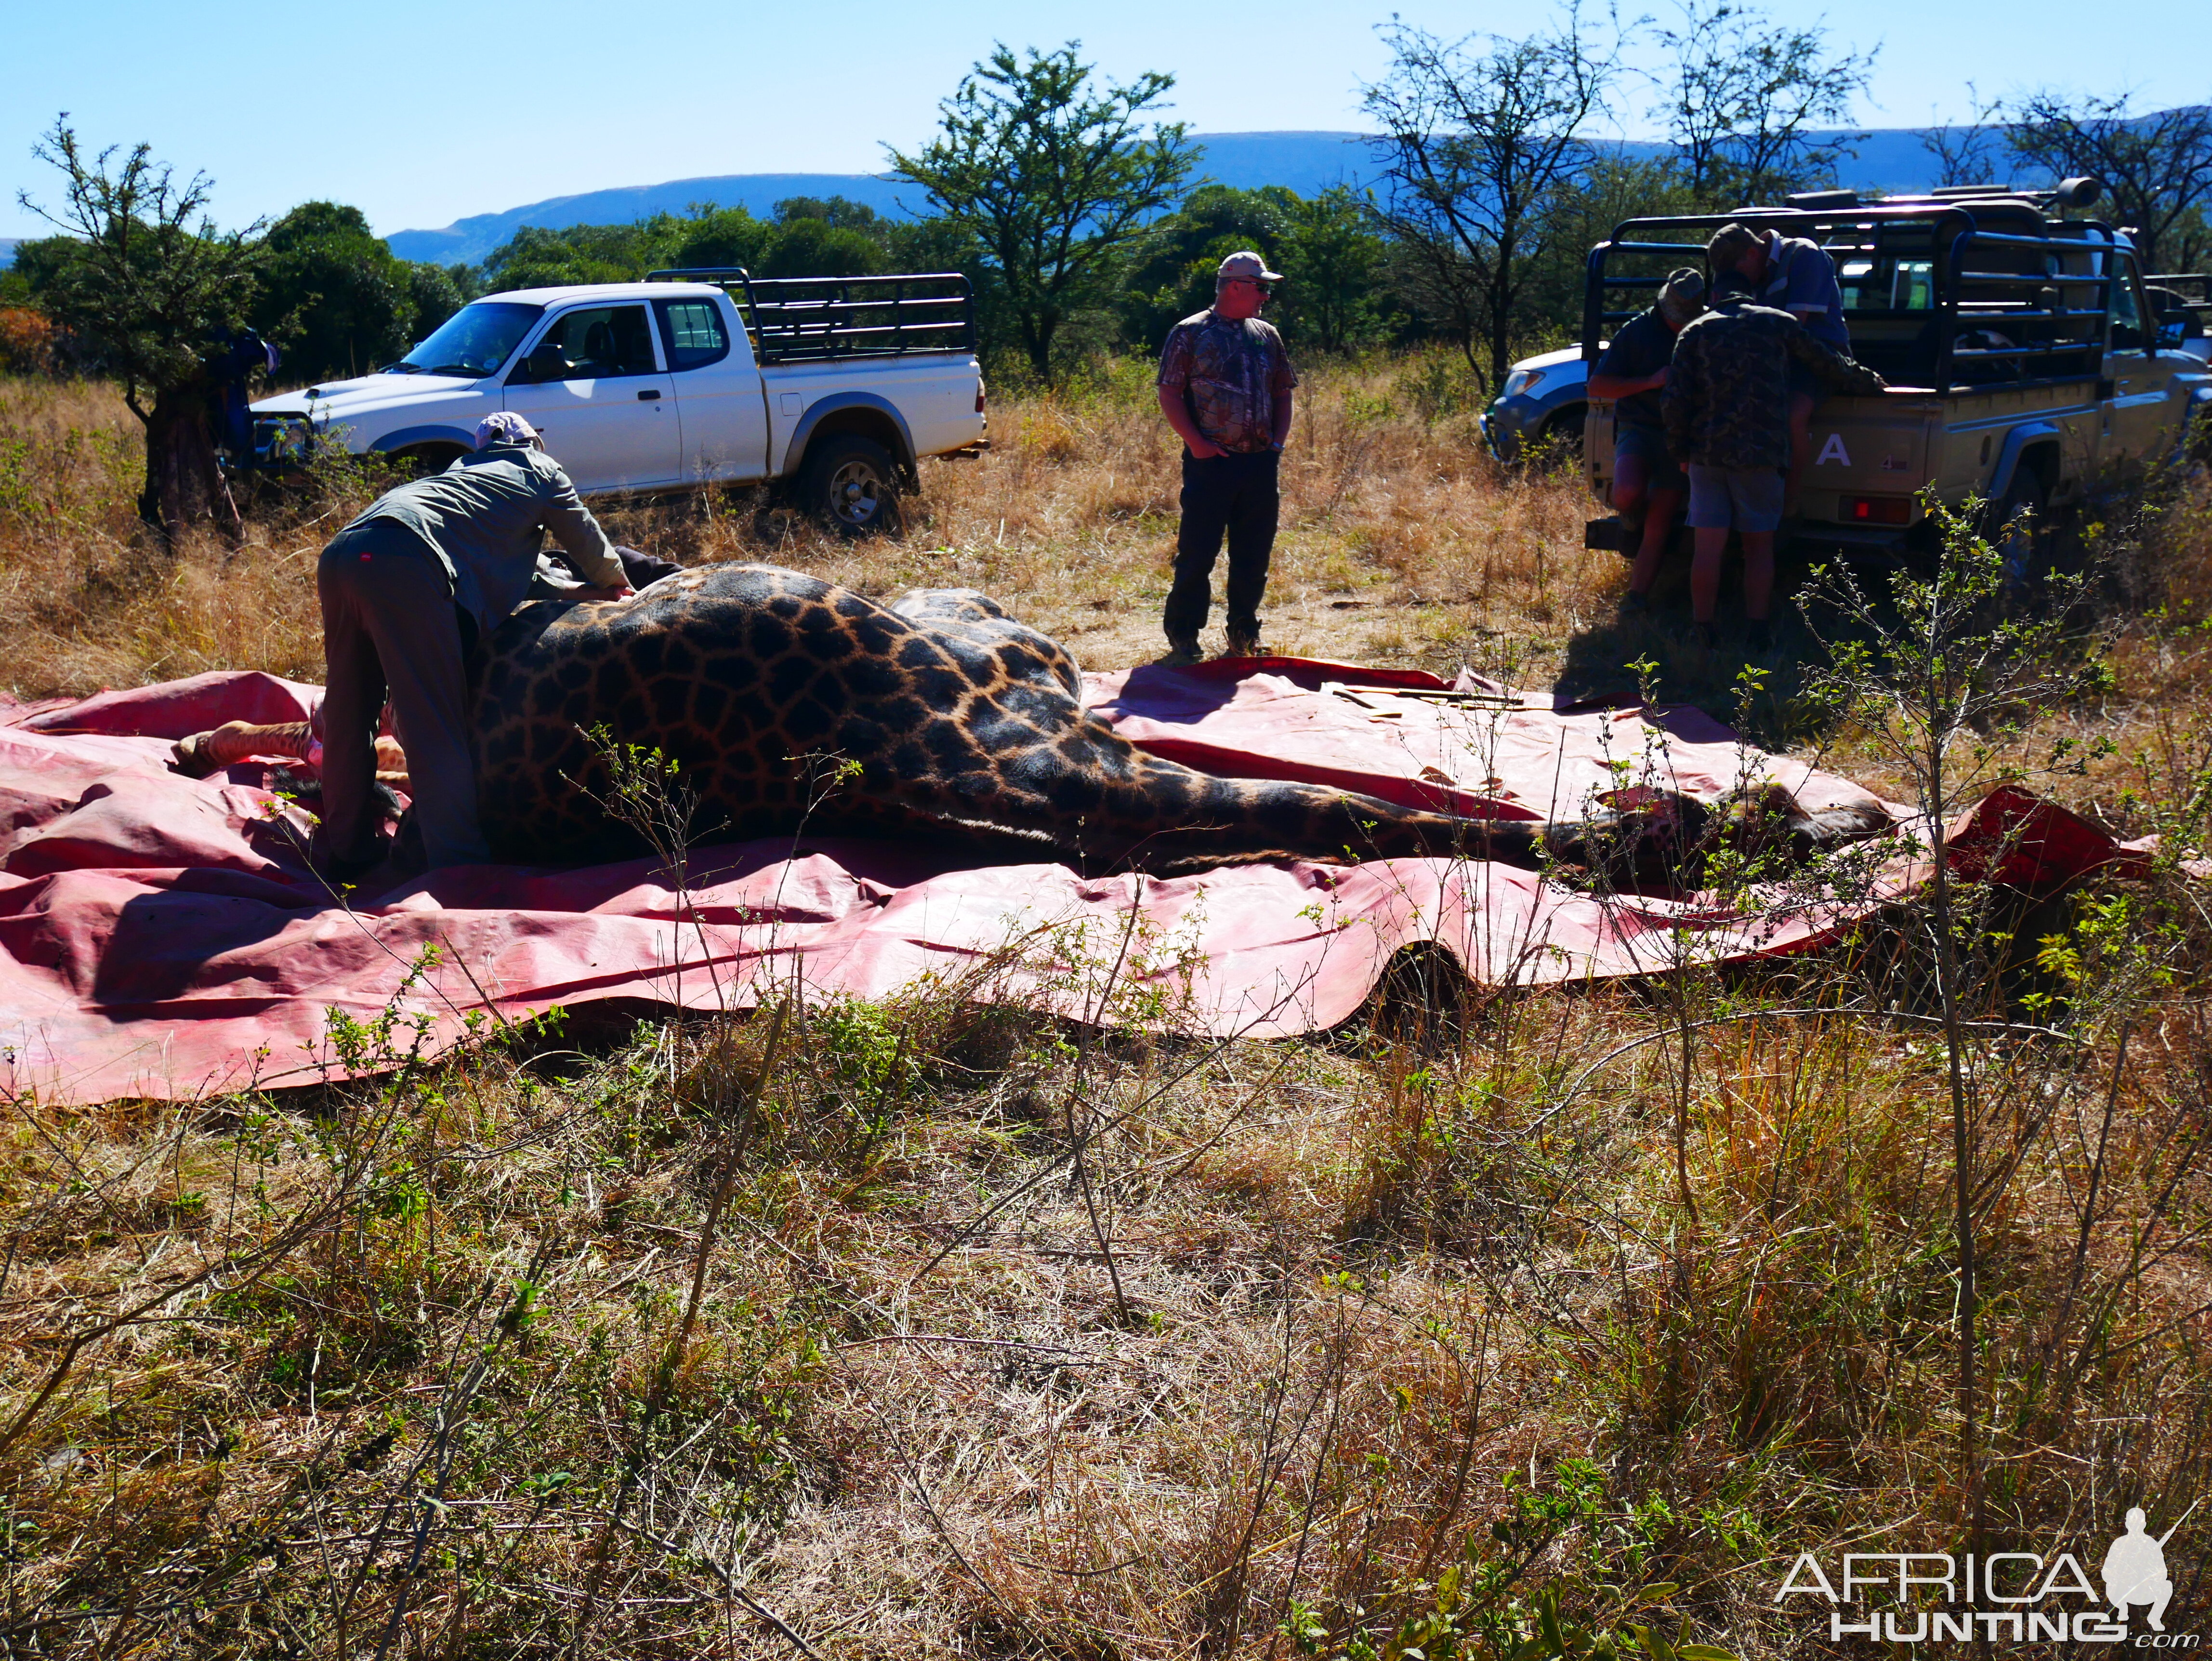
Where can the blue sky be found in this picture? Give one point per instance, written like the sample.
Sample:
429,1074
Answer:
421,112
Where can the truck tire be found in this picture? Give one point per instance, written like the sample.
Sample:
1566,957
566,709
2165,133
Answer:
2017,521
1564,429
851,485
420,463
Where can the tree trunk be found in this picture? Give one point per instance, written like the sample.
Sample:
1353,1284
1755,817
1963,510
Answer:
1037,338
184,485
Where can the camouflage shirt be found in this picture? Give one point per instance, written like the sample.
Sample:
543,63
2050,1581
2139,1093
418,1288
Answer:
1229,373
1727,402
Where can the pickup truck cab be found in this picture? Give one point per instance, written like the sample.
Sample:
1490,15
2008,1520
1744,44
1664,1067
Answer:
2026,366
837,386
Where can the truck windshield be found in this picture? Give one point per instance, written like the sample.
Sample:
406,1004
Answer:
474,341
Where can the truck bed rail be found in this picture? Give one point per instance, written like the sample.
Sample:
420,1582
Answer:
796,320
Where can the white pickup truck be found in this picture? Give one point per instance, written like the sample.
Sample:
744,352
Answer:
837,385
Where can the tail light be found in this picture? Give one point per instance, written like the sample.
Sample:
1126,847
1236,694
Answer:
979,395
1878,510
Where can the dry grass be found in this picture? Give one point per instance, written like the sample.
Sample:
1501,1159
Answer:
1399,539
1023,1339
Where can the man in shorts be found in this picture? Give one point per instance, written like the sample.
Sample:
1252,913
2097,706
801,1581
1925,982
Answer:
1727,409
1794,275
1225,387
1646,483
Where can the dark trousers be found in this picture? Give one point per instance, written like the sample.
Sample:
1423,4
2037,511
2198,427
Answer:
1235,493
389,622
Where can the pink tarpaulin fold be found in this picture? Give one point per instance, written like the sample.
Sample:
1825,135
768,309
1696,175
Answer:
164,937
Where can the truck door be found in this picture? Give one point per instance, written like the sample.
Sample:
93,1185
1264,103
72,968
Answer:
592,387
2140,409
718,390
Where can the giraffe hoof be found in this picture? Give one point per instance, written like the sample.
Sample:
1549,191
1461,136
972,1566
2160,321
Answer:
190,756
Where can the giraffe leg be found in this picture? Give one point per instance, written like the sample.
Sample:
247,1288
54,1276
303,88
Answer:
235,740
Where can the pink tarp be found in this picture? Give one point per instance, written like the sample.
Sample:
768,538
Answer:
163,937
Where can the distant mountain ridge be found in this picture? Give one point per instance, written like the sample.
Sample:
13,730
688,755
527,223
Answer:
1308,162
1889,159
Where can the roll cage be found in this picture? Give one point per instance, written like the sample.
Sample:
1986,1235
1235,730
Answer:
1940,294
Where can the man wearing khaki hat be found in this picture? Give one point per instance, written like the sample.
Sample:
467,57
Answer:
1224,386
1647,481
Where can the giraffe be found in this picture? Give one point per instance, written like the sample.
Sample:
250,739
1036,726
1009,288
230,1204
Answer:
786,703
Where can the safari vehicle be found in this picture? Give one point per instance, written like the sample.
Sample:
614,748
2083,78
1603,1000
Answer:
1542,404
835,386
2184,323
2024,360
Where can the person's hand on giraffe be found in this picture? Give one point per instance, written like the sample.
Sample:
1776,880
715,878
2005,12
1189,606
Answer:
612,595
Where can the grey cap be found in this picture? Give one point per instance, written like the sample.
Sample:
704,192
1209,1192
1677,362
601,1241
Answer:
1245,262
1682,295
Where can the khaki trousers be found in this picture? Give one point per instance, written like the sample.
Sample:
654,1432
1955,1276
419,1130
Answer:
389,624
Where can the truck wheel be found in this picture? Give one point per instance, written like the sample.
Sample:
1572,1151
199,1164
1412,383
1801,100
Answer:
2017,522
852,485
420,464
1564,431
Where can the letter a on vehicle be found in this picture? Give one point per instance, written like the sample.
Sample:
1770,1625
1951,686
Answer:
1833,450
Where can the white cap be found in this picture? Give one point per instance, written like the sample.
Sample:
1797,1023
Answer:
1245,262
504,426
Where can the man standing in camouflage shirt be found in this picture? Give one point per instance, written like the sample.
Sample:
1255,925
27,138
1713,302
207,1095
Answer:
1225,387
1727,410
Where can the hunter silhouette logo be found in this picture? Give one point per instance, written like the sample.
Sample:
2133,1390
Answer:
2135,1570
2023,1596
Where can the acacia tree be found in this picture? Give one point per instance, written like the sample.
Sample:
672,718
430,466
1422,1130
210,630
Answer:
150,286
1479,137
1744,98
1052,176
1944,676
2157,169
331,293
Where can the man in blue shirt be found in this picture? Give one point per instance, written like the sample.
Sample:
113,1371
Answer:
1792,275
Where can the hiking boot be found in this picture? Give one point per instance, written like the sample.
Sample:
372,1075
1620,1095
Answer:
1242,643
1633,604
1758,635
1702,632
1183,652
